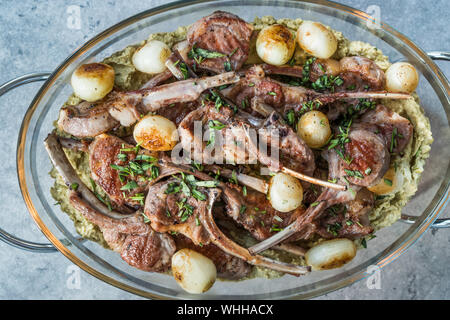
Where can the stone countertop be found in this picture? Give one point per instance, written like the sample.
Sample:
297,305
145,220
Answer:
35,37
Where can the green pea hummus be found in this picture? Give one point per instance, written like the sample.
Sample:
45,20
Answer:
387,209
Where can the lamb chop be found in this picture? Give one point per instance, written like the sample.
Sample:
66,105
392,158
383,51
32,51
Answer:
179,211
395,129
362,162
259,218
292,147
218,40
348,220
91,119
123,171
139,245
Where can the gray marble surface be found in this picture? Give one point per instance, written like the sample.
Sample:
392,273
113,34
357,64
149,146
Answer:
34,37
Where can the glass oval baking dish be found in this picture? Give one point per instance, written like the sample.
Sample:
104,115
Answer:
33,164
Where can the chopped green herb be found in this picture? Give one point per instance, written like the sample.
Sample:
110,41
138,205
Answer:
364,243
146,219
130,185
279,219
227,66
354,173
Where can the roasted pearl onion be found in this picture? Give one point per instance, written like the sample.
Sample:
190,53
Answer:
285,192
92,81
275,44
151,58
330,254
156,133
194,272
401,77
316,39
314,128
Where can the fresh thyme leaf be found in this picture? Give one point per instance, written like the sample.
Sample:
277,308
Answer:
216,125
198,195
204,53
130,185
354,173
146,219
227,65
233,178
290,117
364,243
207,184
122,157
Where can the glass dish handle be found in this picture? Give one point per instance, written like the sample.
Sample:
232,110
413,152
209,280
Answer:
5,236
444,222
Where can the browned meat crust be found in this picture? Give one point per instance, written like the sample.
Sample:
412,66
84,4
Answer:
103,152
225,33
139,245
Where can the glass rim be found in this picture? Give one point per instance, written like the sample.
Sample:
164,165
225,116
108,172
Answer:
438,203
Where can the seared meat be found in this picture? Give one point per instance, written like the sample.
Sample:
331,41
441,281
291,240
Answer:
255,213
292,150
285,97
72,180
240,146
368,156
139,245
176,212
224,33
255,84
176,112
86,119
103,154
216,236
228,266
349,220
361,71
395,129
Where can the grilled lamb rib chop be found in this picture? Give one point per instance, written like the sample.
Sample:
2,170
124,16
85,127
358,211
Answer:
348,220
193,218
138,244
293,151
91,119
369,149
285,97
224,33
